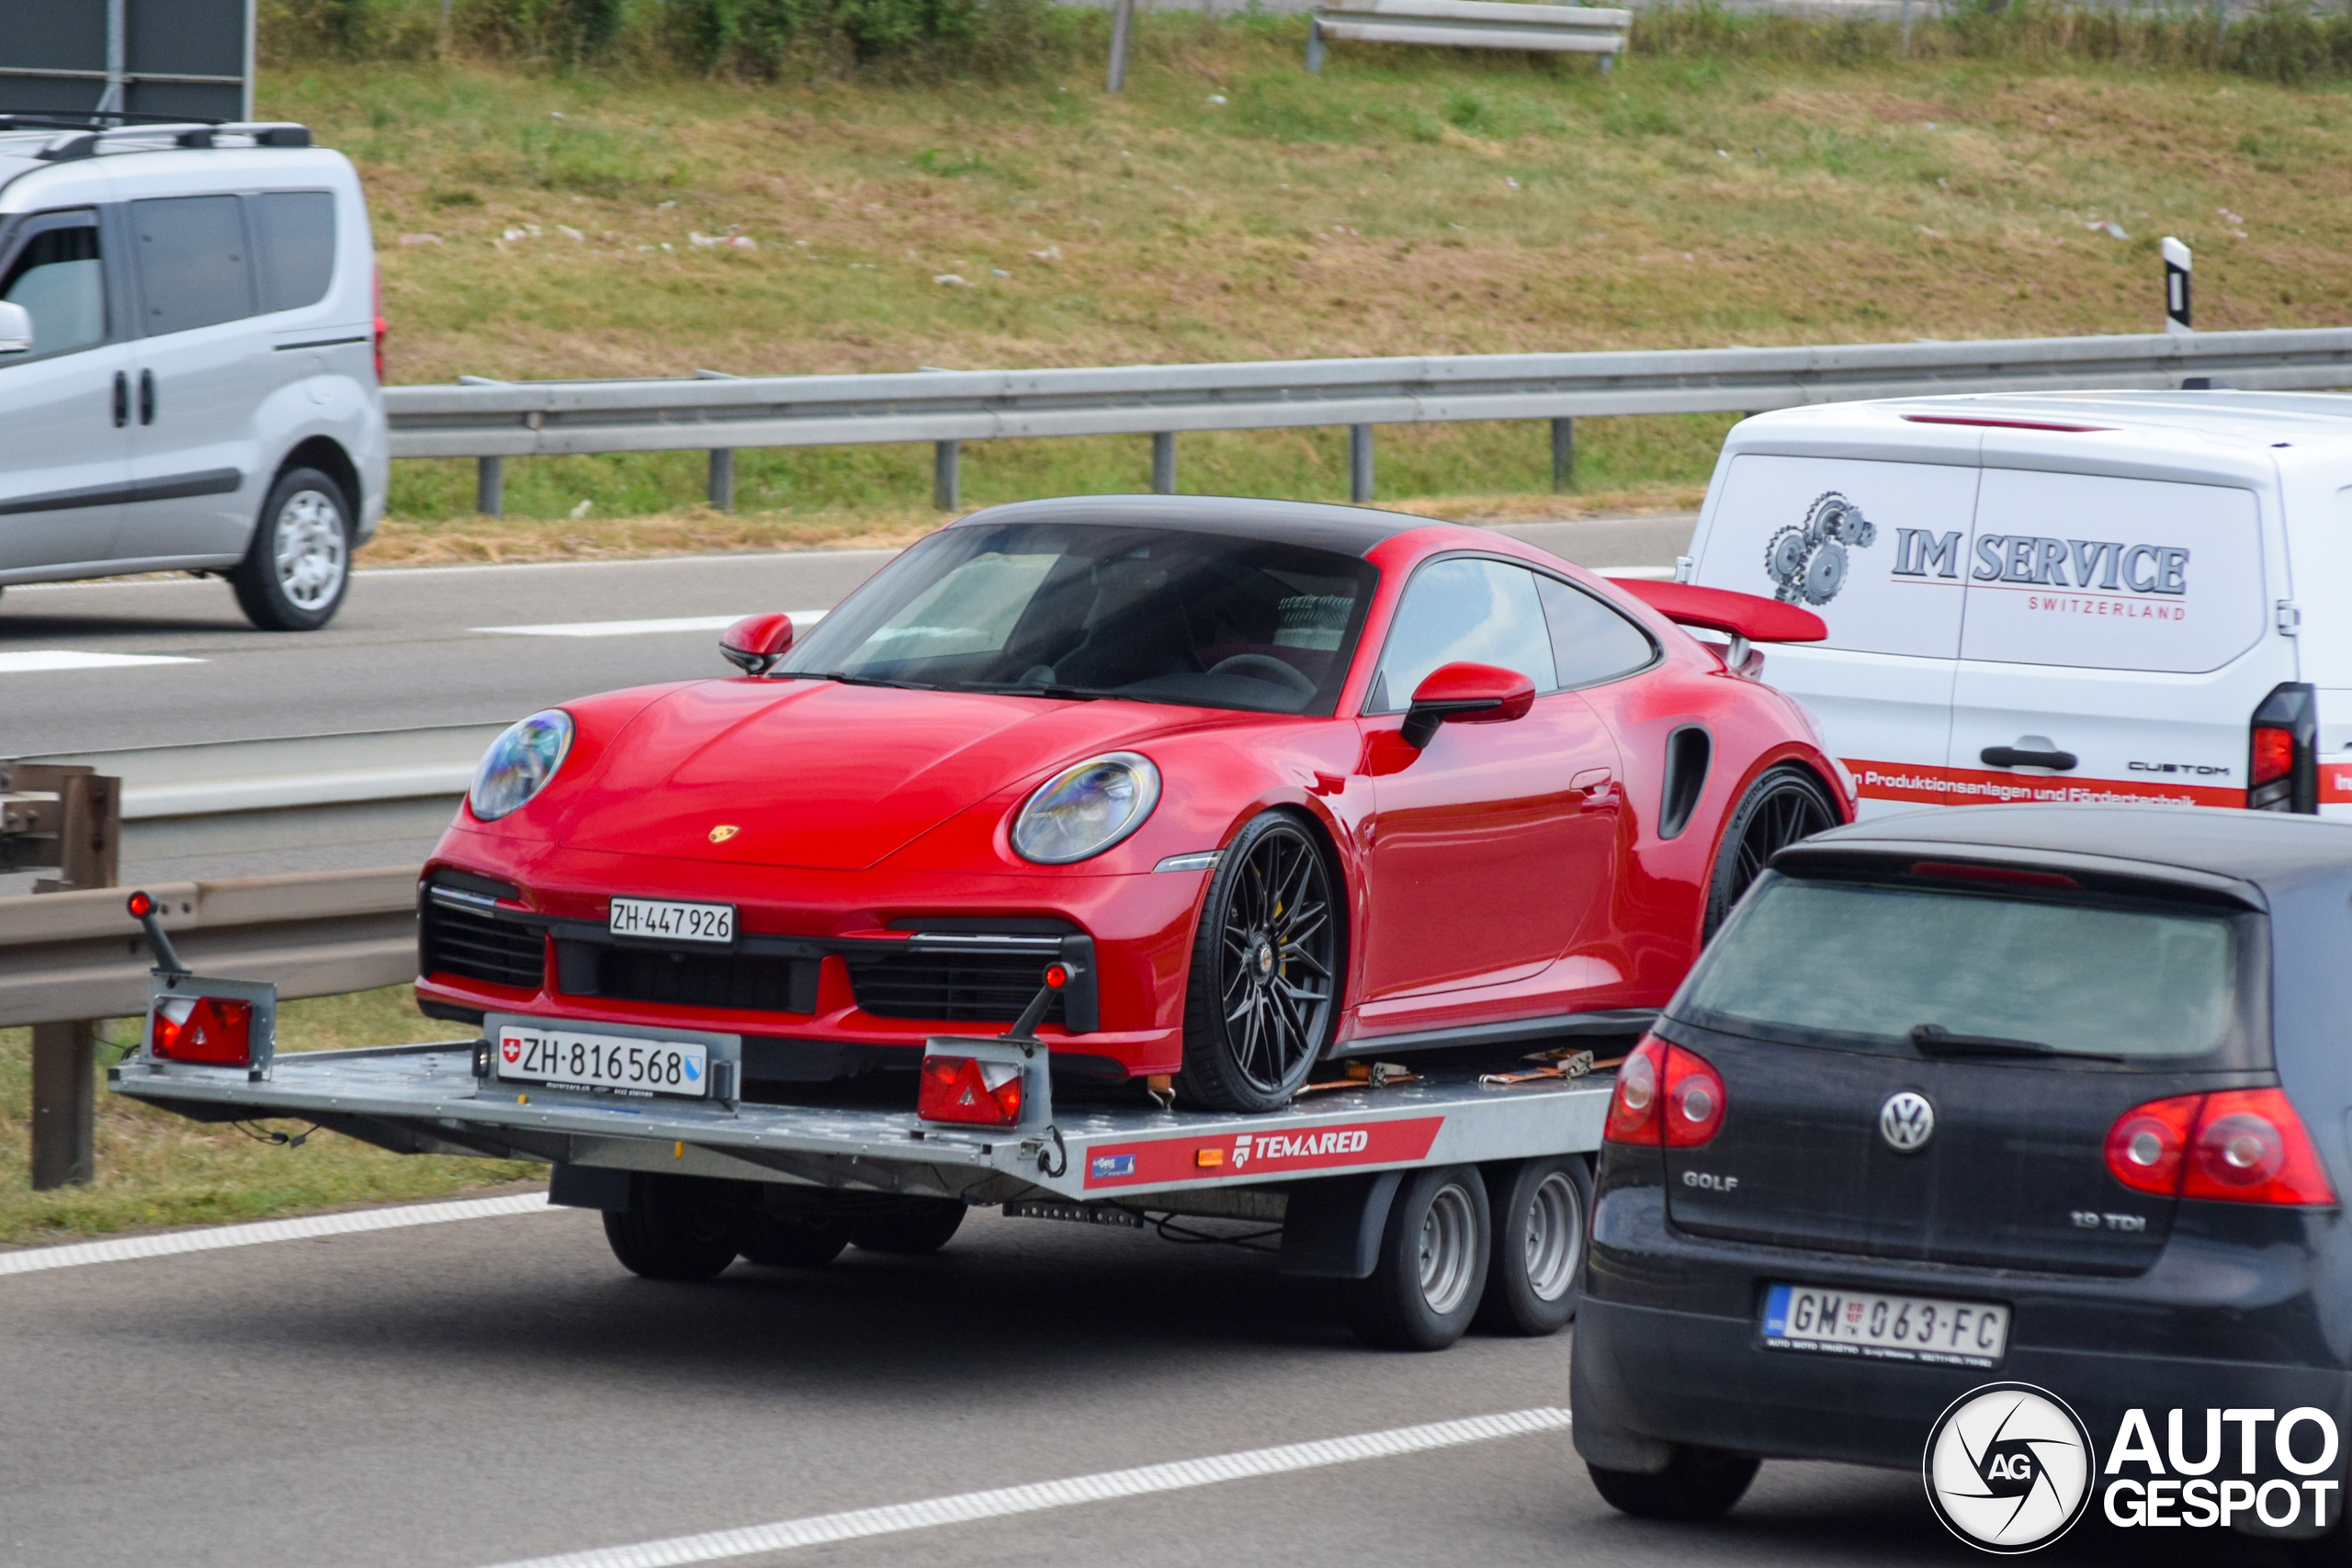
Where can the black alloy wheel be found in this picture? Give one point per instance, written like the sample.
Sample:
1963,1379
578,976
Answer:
1264,993
1784,806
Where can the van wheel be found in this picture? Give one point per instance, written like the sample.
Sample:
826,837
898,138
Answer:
1697,1484
1535,1270
296,570
1431,1270
912,1227
1784,806
1262,999
677,1227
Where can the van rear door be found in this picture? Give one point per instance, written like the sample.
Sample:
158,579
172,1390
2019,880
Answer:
1875,548
2117,639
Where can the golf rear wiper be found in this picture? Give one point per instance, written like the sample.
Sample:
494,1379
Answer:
1935,1040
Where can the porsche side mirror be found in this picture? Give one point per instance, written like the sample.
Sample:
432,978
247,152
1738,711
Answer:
754,643
1465,694
16,328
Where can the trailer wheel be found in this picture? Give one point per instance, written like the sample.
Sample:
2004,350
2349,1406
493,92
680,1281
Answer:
790,1241
677,1227
1431,1270
913,1226
1536,1275
1697,1484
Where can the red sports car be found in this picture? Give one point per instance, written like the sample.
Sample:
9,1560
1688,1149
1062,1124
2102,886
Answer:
1274,783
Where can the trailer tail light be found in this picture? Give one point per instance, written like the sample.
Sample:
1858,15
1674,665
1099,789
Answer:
1694,1100
213,1031
2283,751
1664,1095
375,283
963,1089
2240,1145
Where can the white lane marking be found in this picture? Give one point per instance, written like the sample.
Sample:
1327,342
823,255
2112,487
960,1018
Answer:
822,1528
33,1259
641,628
38,659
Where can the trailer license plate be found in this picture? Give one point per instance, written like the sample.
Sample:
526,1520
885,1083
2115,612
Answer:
1894,1328
676,922
561,1058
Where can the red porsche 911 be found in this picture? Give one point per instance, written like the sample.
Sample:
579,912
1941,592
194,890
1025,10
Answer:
1272,782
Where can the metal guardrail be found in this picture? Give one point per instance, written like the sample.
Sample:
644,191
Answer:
494,420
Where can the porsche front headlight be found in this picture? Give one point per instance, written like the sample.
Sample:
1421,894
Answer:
519,763
1084,810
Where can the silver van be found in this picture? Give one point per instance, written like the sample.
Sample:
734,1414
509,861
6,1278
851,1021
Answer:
190,360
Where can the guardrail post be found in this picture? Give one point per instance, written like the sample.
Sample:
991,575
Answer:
490,486
945,480
1123,25
64,1104
1163,463
1359,463
1314,48
722,478
1564,453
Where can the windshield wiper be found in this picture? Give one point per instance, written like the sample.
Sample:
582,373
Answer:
848,680
1049,689
1935,1040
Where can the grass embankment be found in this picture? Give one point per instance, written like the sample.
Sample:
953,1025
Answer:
156,1170
536,224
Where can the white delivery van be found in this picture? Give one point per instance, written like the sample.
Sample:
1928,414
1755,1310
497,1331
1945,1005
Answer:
189,359
2108,597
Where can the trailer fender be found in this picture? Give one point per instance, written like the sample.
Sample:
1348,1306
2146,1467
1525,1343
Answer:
1331,1228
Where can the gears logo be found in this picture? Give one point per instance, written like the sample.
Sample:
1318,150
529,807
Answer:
1808,563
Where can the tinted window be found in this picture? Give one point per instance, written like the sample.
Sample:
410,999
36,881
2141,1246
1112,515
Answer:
295,235
1590,642
58,279
1464,610
193,268
1076,610
1807,958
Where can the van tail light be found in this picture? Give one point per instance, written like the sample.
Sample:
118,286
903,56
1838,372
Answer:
1664,1095
214,1030
966,1089
377,284
2239,1146
2283,751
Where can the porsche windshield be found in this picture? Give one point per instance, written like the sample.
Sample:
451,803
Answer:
1061,609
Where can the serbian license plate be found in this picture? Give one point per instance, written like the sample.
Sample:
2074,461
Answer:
673,922
1893,1328
562,1058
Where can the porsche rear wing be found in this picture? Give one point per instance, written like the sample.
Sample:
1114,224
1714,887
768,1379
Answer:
1743,617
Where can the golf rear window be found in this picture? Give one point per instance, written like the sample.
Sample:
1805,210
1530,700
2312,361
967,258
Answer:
1867,963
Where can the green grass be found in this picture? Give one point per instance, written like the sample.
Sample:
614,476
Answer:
1404,202
157,1169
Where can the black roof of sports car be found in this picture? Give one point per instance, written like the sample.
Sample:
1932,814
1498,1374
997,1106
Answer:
1344,530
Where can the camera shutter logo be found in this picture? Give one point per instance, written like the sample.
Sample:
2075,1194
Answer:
1907,1122
2009,1468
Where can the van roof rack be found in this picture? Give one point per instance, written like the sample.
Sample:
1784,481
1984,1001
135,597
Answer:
89,119
154,134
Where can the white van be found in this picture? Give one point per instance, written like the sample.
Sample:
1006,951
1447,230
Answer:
2058,597
189,360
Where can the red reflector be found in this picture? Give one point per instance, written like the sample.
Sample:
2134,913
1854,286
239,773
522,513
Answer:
1956,871
962,1089
2274,753
210,1030
2002,423
2240,1145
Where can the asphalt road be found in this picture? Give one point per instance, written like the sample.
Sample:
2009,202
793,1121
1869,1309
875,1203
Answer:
410,647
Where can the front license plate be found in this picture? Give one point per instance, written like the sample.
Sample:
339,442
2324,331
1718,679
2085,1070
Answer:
1894,1329
564,1058
673,922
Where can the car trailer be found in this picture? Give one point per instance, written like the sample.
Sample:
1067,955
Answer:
1440,1196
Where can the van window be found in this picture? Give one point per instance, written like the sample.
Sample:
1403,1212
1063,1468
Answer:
1875,550
294,235
1590,642
60,282
2102,573
1464,610
193,270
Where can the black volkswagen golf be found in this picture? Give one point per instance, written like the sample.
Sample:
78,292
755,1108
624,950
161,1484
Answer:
2051,1097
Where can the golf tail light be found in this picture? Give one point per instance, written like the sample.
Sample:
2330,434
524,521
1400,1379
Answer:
961,1089
1694,1100
213,1031
1633,1105
2240,1145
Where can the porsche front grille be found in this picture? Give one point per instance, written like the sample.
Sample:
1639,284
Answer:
749,982
480,946
949,987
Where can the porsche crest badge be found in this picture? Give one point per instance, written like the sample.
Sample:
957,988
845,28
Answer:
723,832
